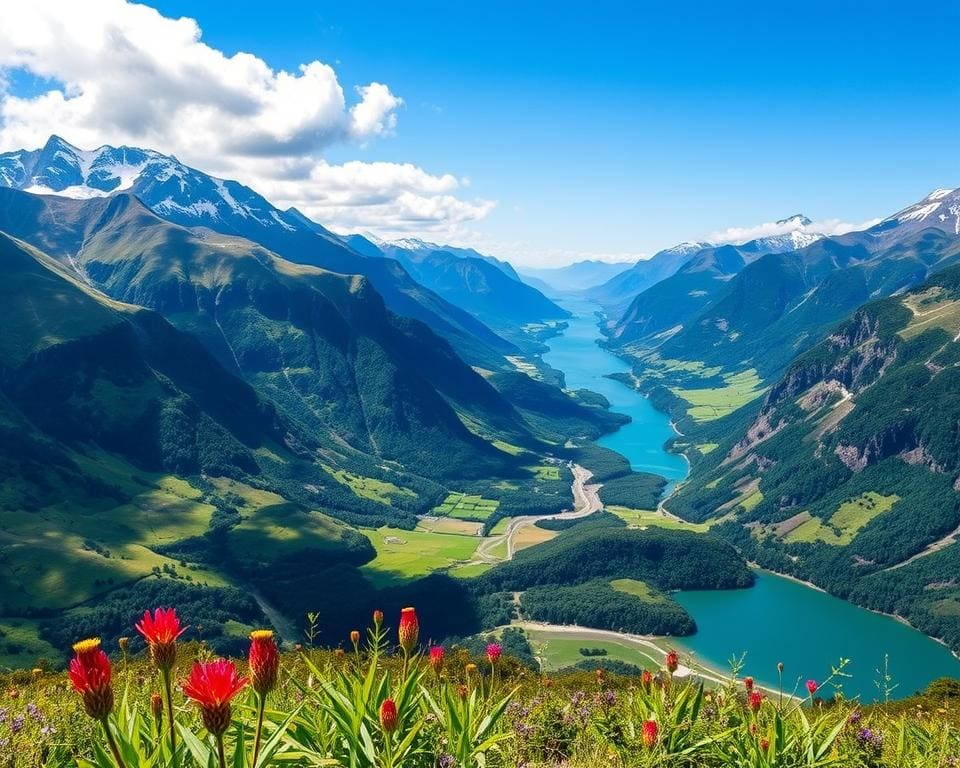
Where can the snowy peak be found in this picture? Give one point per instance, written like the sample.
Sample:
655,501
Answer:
797,220
940,209
171,189
60,168
683,249
791,241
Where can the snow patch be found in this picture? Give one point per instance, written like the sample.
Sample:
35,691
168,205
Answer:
919,212
77,192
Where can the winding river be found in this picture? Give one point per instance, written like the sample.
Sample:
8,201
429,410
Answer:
777,620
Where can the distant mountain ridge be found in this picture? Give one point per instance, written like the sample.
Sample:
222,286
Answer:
764,312
579,276
616,293
186,196
665,306
486,287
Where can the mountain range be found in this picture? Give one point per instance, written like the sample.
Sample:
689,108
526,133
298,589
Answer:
733,317
576,277
484,286
191,198
847,472
174,391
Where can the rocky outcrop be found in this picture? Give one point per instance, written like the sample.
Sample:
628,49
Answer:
761,429
896,439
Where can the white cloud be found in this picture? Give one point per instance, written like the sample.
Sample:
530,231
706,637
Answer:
739,235
120,73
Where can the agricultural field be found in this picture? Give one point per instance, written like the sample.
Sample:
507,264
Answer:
546,471
715,402
637,589
405,555
449,525
464,507
369,488
641,518
844,524
500,527
531,535
706,448
556,650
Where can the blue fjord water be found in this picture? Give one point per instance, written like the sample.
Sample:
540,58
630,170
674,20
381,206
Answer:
777,620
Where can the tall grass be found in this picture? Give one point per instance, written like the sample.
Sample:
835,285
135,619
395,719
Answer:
377,706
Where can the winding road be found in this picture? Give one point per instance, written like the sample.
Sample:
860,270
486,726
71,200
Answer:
586,501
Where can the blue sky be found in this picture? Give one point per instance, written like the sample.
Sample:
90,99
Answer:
621,128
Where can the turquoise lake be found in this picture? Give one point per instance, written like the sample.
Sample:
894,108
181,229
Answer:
777,620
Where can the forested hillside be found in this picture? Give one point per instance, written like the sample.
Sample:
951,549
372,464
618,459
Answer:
847,475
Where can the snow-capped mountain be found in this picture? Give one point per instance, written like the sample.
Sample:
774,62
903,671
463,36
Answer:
171,189
191,198
487,287
940,209
796,235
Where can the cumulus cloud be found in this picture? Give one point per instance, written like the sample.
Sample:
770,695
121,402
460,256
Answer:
738,235
119,73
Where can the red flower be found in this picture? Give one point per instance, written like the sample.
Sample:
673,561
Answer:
812,687
212,685
764,744
355,637
377,618
494,652
388,716
161,632
436,658
748,683
650,733
409,630
755,699
673,661
646,679
90,676
264,660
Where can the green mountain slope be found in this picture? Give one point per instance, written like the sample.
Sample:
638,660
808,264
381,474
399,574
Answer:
848,474
469,281
741,331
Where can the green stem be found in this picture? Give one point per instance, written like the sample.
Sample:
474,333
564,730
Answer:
220,752
112,742
262,700
168,692
387,737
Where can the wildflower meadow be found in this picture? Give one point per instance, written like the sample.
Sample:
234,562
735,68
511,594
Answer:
386,701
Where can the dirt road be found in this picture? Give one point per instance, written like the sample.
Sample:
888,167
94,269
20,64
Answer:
586,501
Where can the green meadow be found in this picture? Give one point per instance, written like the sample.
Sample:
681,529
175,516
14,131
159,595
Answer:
465,507
404,555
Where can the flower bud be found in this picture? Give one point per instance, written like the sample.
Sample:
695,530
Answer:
264,660
651,732
409,630
388,716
